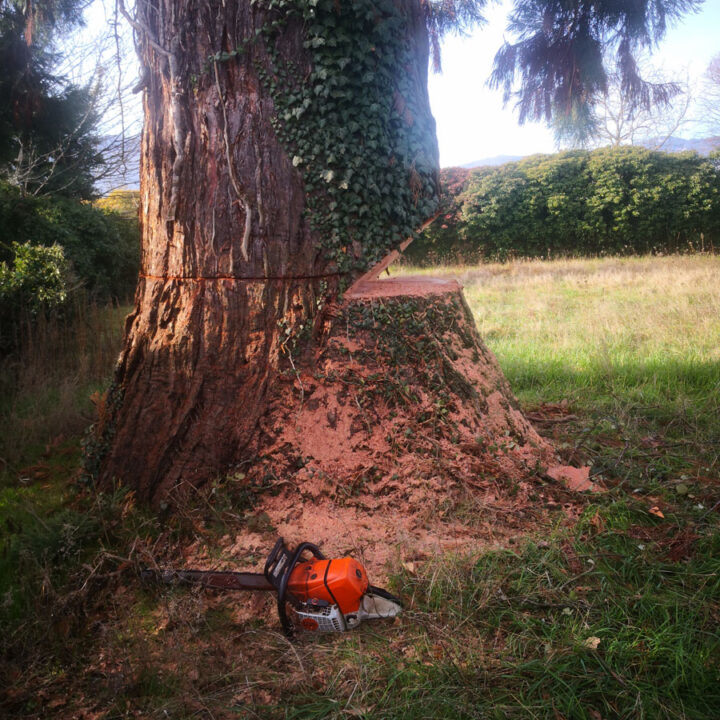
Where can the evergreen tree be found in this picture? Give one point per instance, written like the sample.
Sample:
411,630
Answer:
288,147
47,126
566,50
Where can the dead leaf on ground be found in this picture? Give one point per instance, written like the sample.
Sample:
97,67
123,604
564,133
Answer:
656,511
597,522
359,711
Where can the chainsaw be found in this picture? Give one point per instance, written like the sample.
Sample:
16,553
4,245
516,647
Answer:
323,595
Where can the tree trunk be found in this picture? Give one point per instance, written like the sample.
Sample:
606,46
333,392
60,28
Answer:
233,263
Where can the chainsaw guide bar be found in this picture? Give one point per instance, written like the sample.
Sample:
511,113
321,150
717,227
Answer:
324,595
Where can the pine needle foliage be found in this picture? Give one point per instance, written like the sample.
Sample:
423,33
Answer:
559,61
450,16
48,143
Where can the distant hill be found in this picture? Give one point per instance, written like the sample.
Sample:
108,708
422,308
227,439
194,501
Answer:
702,146
497,160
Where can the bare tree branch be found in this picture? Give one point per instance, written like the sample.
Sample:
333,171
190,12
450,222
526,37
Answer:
616,120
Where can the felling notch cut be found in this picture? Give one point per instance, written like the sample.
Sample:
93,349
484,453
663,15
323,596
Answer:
372,275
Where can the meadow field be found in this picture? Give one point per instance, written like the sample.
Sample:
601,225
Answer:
614,614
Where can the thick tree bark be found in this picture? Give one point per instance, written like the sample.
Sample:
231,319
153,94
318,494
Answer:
229,258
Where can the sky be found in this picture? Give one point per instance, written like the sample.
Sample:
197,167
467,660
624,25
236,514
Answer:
471,121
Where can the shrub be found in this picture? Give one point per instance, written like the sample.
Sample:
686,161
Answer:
442,239
38,280
612,201
101,247
52,246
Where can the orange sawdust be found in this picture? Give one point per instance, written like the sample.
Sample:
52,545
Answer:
400,437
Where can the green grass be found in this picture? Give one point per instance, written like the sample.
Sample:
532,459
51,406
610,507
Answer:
45,387
612,615
596,622
593,329
45,406
632,344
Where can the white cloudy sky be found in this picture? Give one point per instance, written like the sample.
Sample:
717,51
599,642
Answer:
471,121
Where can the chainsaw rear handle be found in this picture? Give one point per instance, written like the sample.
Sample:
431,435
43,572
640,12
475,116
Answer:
373,590
278,568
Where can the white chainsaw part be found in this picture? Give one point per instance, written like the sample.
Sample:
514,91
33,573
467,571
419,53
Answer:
330,619
320,619
373,607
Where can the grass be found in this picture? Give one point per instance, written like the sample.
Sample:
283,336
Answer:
614,615
45,407
546,632
632,344
593,328
617,329
595,623
45,388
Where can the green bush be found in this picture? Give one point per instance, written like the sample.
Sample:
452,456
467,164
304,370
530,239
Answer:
38,278
612,201
442,239
51,247
101,247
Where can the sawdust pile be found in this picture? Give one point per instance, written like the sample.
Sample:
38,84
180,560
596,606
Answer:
398,439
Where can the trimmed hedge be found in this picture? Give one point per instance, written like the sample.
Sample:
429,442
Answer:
612,201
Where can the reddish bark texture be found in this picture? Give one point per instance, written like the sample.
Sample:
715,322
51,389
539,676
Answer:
223,234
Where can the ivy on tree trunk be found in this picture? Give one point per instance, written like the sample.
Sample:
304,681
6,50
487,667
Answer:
287,146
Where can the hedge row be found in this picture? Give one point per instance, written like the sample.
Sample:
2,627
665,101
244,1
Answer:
612,201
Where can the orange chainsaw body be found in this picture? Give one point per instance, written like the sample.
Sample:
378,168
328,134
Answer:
341,582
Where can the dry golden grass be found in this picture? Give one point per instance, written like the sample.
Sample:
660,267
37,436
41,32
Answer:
596,316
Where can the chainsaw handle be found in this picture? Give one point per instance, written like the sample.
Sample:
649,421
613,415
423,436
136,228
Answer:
274,558
372,590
